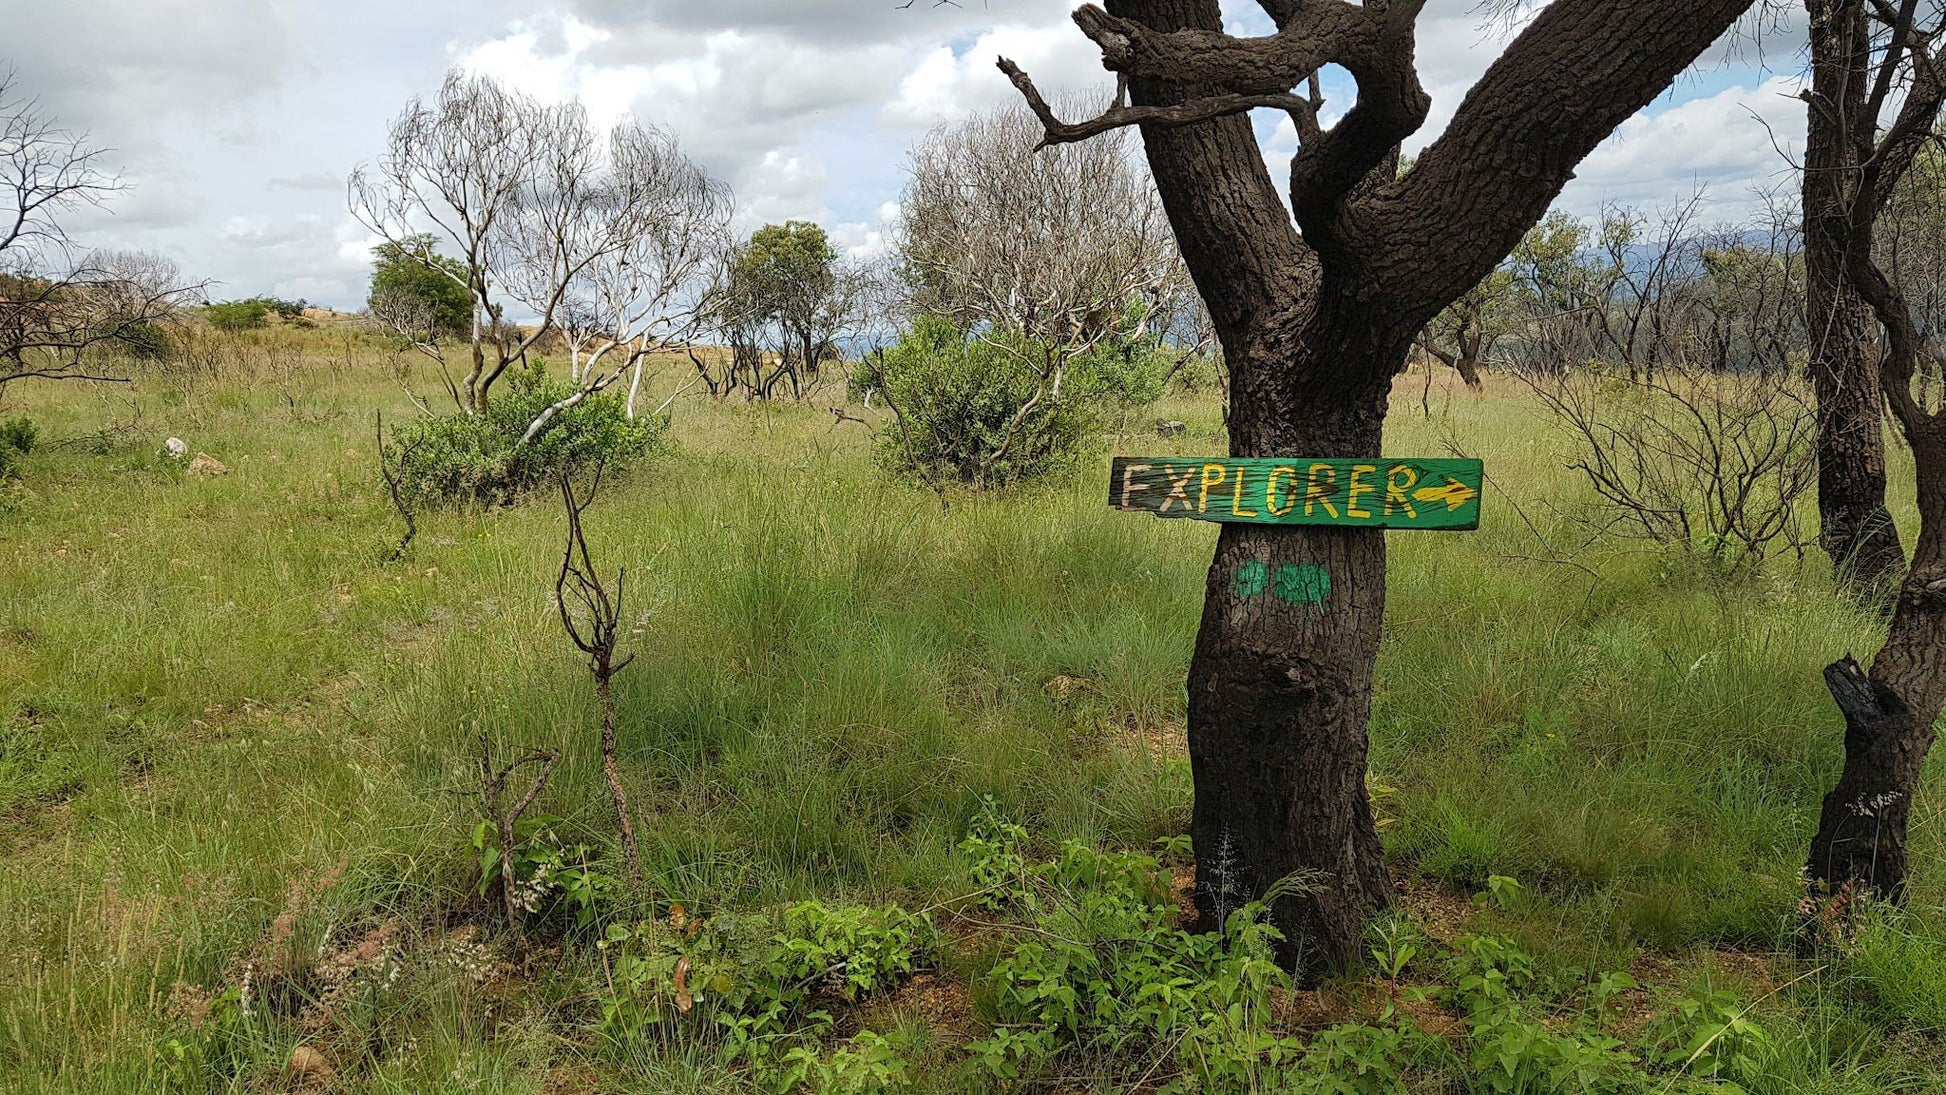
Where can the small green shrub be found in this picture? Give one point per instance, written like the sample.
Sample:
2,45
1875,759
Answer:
250,314
1109,977
145,341
754,987
995,857
961,400
1711,1036
17,438
555,881
867,1064
478,460
237,315
978,409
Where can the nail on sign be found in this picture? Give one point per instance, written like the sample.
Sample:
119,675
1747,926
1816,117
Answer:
1396,494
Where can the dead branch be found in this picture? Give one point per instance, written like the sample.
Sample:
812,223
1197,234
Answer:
493,791
594,626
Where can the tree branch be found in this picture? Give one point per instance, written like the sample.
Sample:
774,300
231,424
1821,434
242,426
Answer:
1167,117
1317,33
1579,70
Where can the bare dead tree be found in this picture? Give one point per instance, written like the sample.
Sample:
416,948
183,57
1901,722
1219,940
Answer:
593,623
1712,463
1043,254
62,306
543,214
504,816
1317,307
392,476
645,296
1857,70
1891,710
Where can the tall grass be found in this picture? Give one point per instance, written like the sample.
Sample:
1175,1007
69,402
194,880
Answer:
214,694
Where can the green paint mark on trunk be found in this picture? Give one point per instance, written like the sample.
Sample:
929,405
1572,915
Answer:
1251,578
1302,584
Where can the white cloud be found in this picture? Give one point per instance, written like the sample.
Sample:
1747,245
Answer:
948,83
1722,142
237,120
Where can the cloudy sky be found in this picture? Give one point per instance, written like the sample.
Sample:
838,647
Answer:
236,121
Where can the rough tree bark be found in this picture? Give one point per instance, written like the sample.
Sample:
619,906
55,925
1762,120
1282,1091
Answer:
1891,711
1855,528
1315,319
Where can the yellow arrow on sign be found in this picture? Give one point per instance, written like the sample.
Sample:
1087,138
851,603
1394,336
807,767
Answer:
1455,494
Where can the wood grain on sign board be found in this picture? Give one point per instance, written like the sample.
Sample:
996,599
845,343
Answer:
1356,493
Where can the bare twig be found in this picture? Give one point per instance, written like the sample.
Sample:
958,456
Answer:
595,629
394,486
493,791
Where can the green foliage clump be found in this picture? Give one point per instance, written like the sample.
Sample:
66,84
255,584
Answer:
756,988
478,460
411,278
995,856
251,313
553,880
17,438
145,341
1892,966
1109,977
968,410
983,409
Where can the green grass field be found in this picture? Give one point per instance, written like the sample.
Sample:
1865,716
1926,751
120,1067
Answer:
236,746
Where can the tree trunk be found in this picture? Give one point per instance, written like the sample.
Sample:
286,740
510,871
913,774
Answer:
1890,714
1280,687
1856,529
1315,306
611,770
1468,360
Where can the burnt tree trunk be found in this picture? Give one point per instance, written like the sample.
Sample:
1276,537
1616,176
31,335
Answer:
1855,527
1280,687
1891,714
1316,309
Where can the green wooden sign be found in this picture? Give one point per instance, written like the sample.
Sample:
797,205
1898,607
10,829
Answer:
1401,494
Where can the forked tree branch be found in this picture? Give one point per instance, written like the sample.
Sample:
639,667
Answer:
1303,111
1321,32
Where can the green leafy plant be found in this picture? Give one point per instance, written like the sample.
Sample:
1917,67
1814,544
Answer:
1357,1059
869,1062
479,459
412,280
994,856
145,341
1510,1051
967,409
251,313
755,987
17,438
1393,942
1712,1035
554,879
1107,975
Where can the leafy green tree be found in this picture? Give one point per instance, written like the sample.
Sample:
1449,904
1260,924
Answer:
786,294
1463,335
237,315
250,313
411,277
